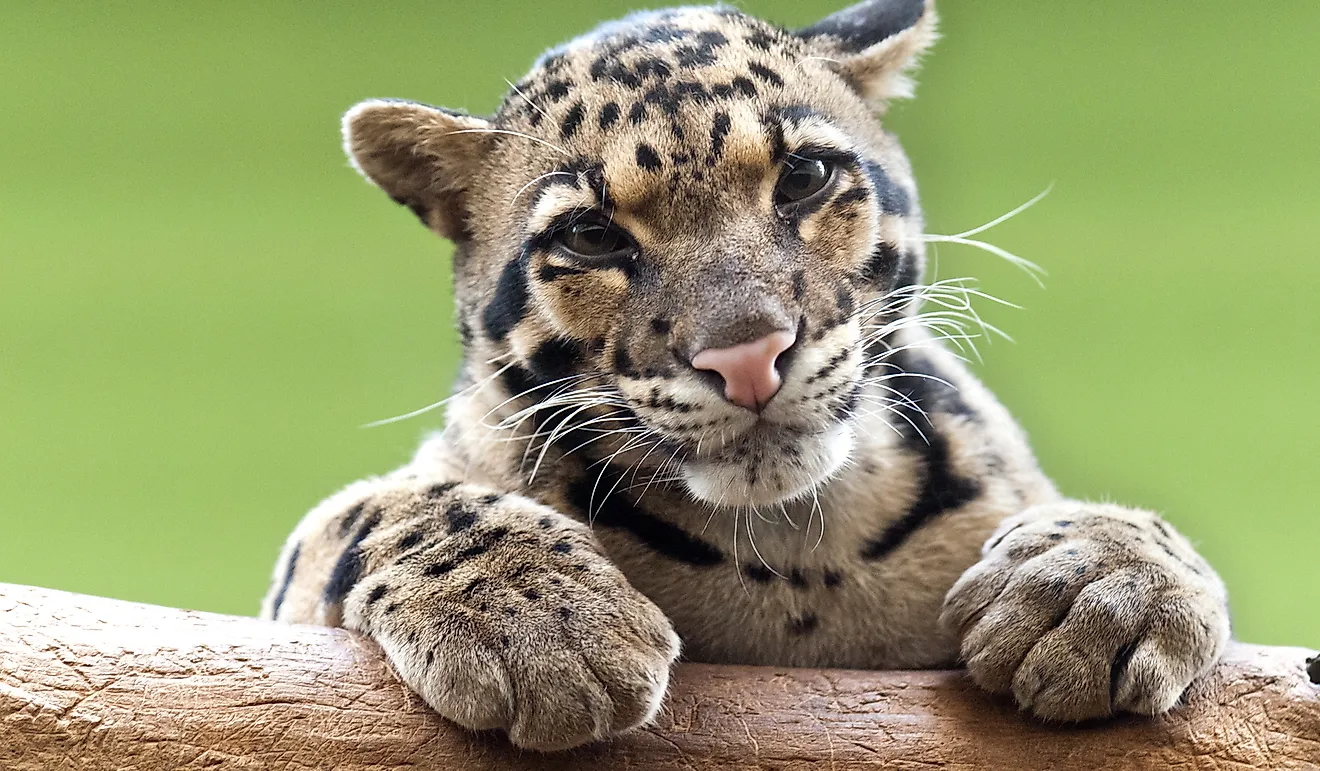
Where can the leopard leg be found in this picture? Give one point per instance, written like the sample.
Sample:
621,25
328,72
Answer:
499,611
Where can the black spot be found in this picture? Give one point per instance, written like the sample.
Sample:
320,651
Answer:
766,74
557,89
882,266
690,91
647,158
718,132
778,147
744,86
518,381
833,579
284,583
609,115
562,547
430,657
623,363
804,624
652,67
531,594
909,273
1063,523
565,613
483,543
865,24
661,96
843,299
392,607
1313,669
350,518
712,38
572,120
410,540
348,568
459,517
665,33
761,39
439,491
544,523
379,591
509,304
637,113
555,359
660,326
617,512
758,572
797,579
694,56
604,67
892,198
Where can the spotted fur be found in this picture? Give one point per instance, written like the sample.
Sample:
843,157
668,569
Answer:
595,498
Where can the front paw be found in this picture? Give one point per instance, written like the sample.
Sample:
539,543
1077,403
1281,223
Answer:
1086,610
518,622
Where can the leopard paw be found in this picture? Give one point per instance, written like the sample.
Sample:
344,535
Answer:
1086,610
516,621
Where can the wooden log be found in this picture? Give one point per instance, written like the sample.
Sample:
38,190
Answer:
90,683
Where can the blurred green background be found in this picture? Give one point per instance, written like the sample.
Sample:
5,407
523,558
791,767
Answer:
200,303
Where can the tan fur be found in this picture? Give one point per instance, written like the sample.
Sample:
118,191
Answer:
593,494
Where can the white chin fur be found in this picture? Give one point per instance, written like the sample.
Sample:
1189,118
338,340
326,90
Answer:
728,479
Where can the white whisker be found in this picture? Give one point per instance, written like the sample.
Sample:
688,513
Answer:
437,405
527,99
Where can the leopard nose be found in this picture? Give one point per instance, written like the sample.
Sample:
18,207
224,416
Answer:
748,369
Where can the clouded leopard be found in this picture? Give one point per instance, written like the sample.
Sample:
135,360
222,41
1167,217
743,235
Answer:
706,407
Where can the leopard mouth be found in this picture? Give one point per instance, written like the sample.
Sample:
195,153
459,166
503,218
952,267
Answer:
768,466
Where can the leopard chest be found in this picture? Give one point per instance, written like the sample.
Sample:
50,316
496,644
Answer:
773,589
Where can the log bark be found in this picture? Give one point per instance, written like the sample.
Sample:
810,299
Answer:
90,683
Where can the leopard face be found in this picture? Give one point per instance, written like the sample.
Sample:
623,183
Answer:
679,238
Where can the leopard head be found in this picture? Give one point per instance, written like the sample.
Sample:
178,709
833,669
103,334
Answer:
679,233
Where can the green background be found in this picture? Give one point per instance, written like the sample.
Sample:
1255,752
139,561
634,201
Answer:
200,303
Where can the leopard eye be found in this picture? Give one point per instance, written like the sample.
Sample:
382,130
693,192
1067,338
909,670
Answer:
593,239
804,178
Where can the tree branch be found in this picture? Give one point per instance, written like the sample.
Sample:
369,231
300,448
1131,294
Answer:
90,683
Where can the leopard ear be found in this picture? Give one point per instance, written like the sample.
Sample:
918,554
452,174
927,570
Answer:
423,157
876,44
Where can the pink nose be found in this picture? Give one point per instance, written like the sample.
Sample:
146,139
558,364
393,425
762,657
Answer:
750,377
